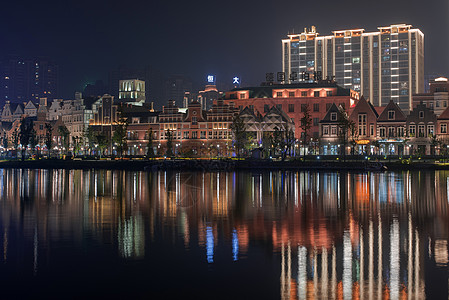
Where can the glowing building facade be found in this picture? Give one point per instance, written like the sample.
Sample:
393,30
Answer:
384,65
132,90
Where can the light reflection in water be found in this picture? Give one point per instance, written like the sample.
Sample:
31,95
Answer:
345,236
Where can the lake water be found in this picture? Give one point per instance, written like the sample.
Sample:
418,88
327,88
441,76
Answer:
271,235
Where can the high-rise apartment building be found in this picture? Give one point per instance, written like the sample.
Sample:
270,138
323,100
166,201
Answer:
382,65
28,79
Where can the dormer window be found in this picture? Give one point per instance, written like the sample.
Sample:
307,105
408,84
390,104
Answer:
334,116
421,114
391,115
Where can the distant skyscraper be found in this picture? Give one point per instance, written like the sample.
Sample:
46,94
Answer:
383,65
24,79
175,88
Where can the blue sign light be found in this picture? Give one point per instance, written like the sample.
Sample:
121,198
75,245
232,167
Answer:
235,80
210,78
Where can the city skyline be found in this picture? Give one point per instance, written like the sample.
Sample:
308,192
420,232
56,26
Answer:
89,39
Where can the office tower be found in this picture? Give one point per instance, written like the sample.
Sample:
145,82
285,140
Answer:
24,79
382,65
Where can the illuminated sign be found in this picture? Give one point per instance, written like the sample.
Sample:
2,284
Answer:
235,80
210,78
362,142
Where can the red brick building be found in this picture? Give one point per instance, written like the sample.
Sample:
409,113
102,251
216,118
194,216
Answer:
292,99
196,131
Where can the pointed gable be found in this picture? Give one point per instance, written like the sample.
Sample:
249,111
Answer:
276,118
363,106
386,116
444,115
328,118
18,110
249,119
30,105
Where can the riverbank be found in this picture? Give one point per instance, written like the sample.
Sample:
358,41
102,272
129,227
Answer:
226,165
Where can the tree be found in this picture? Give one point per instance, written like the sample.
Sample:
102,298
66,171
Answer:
77,141
90,137
25,132
346,129
5,142
169,136
48,137
15,139
267,143
103,142
239,134
34,140
306,124
279,141
150,150
289,139
65,135
119,136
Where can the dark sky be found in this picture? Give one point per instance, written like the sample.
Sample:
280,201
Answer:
195,38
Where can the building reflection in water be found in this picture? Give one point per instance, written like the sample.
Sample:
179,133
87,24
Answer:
339,236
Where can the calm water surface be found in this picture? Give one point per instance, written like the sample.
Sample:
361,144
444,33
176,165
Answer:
274,235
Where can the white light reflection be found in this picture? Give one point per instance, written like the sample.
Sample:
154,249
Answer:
394,259
347,266
302,272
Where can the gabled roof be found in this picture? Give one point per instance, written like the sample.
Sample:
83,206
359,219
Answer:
277,112
444,115
333,109
17,108
399,116
30,105
248,112
363,106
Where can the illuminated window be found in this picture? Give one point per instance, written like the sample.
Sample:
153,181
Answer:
412,130
421,131
391,115
334,130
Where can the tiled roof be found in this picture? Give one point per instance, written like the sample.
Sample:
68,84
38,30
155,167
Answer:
398,114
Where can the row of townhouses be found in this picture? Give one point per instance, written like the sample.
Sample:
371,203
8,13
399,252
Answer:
263,110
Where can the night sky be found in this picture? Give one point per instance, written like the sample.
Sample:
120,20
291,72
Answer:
196,38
